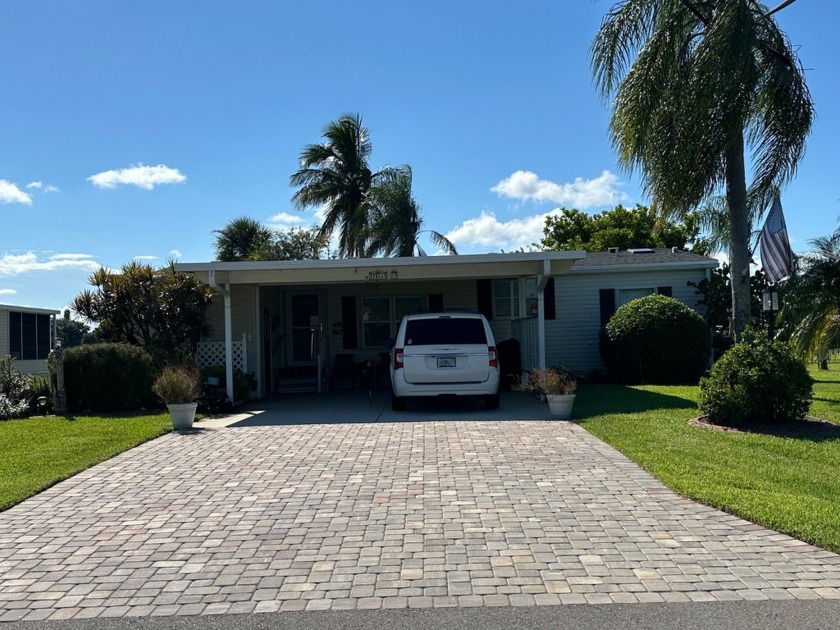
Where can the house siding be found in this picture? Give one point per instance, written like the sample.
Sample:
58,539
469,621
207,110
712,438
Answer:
572,338
243,319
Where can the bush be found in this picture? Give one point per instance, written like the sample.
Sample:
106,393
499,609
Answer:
15,390
243,384
108,377
177,385
655,339
757,381
552,381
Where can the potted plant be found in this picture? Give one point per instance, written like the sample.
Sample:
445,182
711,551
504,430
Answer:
558,386
178,387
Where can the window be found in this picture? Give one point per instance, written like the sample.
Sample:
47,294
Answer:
505,299
625,295
29,336
382,315
531,302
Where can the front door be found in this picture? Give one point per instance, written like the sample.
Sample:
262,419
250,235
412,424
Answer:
306,332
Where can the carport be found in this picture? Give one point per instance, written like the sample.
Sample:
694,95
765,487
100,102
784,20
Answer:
286,317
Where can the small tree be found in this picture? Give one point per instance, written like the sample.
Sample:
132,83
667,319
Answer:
159,309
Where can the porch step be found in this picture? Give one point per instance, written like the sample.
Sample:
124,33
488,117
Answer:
300,385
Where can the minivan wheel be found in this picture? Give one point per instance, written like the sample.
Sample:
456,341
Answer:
492,402
397,403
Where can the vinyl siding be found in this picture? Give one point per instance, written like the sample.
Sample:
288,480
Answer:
243,310
572,338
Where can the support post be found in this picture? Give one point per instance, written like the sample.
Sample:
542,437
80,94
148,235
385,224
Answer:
542,280
225,292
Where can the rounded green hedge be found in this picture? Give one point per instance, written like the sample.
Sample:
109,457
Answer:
655,339
756,381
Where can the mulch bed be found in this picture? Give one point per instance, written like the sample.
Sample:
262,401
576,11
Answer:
807,428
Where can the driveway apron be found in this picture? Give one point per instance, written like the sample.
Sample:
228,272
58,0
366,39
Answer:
382,515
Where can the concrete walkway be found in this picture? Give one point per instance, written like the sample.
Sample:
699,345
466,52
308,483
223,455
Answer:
367,515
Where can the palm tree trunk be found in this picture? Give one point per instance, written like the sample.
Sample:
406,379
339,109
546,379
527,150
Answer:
736,197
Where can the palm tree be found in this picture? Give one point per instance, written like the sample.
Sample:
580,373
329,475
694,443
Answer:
241,239
337,175
397,224
694,84
811,312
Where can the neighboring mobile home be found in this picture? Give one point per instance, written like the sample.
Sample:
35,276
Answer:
27,334
292,321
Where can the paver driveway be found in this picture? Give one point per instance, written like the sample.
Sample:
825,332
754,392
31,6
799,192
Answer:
381,515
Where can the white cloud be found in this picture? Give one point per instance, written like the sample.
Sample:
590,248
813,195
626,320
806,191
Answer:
285,220
175,253
604,190
486,232
16,264
146,177
145,258
35,185
8,292
10,193
52,189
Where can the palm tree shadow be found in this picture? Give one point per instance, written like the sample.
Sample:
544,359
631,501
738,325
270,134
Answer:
596,400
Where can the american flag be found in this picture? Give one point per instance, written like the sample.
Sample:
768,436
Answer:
774,244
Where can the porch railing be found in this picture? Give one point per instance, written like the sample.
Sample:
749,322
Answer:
209,353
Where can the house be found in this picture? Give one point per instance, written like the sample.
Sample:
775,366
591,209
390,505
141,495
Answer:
27,334
288,321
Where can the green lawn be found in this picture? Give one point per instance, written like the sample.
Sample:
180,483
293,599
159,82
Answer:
789,484
36,453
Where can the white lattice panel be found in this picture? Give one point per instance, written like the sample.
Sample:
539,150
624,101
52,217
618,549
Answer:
213,353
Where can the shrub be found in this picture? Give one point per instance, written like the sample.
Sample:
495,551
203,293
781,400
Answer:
12,408
756,381
177,385
107,377
243,384
655,339
14,385
552,381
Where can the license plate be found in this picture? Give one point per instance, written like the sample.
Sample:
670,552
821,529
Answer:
445,362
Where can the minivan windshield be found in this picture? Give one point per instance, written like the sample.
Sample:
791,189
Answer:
444,331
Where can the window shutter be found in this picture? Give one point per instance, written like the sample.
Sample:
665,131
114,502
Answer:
549,306
607,299
349,333
485,298
436,302
664,291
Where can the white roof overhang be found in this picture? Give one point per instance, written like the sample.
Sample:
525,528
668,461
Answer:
355,270
28,309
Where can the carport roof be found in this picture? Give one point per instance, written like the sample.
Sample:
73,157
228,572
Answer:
351,270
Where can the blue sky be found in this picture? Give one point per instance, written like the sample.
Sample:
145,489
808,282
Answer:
133,130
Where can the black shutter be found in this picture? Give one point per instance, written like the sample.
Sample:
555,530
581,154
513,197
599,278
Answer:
549,306
349,333
15,335
485,298
664,291
436,302
607,298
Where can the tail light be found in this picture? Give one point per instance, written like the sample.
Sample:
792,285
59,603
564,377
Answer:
494,360
398,358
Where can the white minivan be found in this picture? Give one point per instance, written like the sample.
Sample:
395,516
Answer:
444,354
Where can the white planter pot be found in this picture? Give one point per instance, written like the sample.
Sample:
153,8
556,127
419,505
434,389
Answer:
560,405
182,415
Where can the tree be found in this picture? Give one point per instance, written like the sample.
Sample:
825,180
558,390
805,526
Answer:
294,244
240,239
337,175
397,222
73,332
810,315
693,85
159,309
620,227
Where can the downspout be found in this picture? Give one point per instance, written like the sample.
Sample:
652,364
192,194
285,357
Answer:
542,280
225,293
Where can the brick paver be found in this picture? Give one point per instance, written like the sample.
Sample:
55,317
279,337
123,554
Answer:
379,516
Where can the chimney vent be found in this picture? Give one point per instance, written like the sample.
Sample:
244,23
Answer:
674,250
612,250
